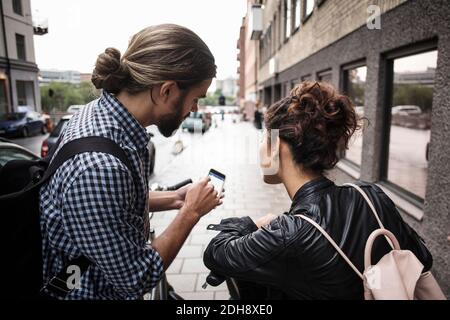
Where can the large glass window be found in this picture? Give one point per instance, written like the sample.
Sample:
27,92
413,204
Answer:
20,45
17,7
354,87
410,126
287,18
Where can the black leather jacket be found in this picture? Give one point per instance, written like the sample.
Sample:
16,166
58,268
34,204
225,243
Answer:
294,257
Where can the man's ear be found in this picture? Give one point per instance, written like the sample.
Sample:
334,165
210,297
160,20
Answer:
167,89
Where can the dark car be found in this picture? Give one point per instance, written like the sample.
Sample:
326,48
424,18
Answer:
51,141
22,124
11,151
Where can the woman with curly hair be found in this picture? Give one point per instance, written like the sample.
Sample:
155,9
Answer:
285,256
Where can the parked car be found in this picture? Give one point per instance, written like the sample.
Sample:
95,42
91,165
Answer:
406,110
23,123
51,141
197,120
11,151
74,109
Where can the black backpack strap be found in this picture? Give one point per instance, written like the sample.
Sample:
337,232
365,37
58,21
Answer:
59,285
86,144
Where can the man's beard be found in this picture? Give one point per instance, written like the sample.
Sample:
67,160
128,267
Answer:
170,123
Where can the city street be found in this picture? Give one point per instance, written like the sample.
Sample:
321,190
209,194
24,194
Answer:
231,149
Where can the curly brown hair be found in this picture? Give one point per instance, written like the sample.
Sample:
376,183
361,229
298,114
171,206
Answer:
316,122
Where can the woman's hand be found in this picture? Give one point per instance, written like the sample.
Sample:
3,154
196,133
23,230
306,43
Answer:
264,221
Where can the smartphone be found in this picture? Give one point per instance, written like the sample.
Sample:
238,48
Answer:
217,180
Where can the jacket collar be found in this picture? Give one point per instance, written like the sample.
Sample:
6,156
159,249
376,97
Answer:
309,189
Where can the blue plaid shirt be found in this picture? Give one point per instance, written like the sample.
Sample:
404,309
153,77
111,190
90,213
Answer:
94,206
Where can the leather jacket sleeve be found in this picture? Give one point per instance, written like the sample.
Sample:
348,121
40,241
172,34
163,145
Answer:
243,251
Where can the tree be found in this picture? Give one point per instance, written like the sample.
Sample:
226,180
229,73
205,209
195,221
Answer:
58,96
414,94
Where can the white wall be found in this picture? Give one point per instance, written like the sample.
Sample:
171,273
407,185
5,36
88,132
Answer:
15,23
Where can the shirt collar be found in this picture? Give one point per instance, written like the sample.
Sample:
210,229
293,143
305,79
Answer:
133,129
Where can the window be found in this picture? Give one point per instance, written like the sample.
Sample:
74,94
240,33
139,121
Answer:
3,101
21,93
287,18
17,7
25,93
277,93
307,77
287,88
297,13
20,45
325,76
309,7
410,105
354,87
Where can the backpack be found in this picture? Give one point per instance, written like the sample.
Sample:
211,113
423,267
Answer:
398,275
20,183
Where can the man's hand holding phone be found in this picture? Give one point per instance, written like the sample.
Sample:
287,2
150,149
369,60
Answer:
201,198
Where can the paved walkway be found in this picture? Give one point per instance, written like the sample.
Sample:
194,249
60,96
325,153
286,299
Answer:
231,149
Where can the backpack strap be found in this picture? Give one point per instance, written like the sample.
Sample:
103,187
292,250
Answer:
333,243
58,284
372,207
86,144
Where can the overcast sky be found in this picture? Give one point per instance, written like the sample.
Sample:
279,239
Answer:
81,29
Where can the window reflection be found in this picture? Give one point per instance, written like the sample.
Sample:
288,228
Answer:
354,87
410,126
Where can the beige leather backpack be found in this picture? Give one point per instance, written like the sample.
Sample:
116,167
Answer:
398,275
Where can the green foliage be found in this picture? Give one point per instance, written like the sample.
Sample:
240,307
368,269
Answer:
410,94
65,95
212,99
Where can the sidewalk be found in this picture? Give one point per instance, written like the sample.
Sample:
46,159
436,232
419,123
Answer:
231,149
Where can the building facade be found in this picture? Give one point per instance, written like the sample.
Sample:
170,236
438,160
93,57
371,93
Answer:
66,76
228,86
248,70
18,70
392,58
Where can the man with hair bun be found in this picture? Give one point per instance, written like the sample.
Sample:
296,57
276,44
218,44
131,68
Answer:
95,206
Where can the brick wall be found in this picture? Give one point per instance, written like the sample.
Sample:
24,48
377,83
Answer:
333,20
